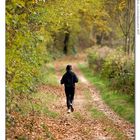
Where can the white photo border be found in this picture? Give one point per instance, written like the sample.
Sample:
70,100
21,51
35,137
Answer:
2,70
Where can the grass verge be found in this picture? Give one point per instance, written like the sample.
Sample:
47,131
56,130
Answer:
40,103
48,75
119,102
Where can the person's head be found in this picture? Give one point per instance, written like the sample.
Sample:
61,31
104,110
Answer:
68,67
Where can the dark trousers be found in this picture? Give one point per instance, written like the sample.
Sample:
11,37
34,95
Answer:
69,91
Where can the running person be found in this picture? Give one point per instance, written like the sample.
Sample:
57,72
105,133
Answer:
69,79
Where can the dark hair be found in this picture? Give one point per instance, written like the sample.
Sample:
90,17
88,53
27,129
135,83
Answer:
69,67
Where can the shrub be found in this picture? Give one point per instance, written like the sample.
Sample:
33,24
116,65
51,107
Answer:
118,68
96,57
115,66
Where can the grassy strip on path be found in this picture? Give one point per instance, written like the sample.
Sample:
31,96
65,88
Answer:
100,116
119,102
108,125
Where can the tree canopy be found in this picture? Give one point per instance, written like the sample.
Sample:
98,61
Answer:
34,27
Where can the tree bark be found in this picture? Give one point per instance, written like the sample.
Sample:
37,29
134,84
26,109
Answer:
66,40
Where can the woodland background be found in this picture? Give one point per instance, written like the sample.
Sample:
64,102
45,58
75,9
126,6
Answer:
39,33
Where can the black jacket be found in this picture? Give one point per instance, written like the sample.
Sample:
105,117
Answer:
69,75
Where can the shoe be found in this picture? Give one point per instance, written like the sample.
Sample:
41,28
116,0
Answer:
69,111
72,109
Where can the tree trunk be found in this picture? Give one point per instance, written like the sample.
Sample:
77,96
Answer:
99,39
66,40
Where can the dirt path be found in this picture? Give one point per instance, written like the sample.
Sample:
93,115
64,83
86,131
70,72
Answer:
81,125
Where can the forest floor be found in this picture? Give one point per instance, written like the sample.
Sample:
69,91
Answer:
92,119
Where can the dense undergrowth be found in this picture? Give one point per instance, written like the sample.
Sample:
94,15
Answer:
115,66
